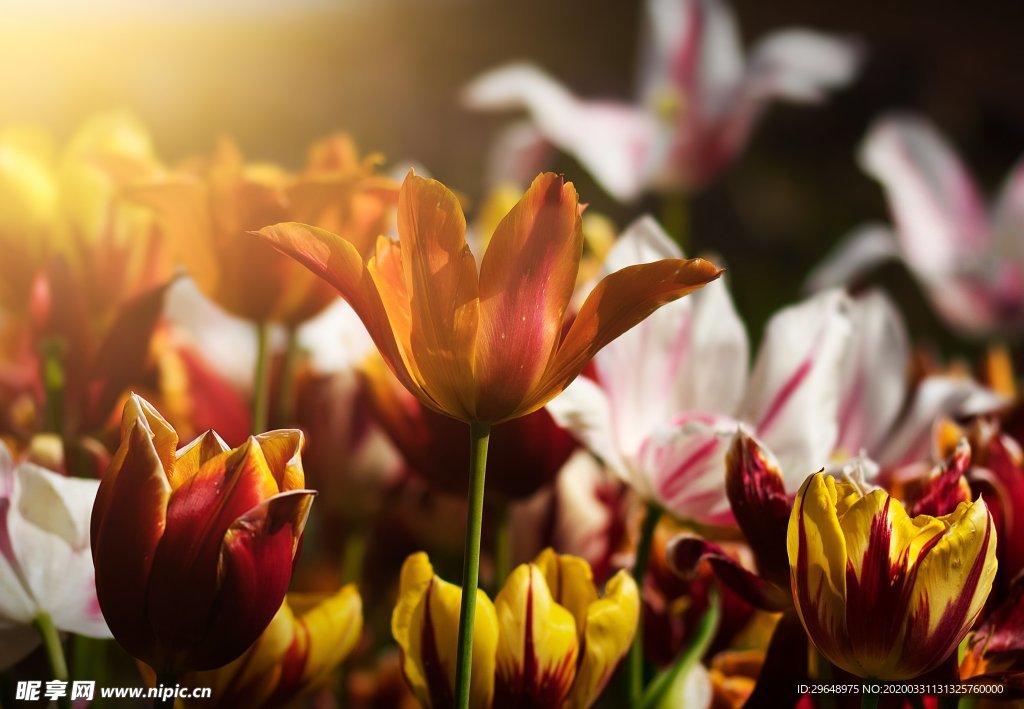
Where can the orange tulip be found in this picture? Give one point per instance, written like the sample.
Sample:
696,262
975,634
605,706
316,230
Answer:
485,344
206,210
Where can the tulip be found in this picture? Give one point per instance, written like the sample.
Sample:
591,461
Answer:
194,548
699,98
206,212
966,255
298,653
667,395
485,345
46,573
548,639
881,594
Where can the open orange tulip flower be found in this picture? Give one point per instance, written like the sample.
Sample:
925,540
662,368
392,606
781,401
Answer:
486,345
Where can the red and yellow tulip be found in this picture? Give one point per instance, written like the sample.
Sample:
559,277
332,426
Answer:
193,548
485,344
548,639
881,594
307,640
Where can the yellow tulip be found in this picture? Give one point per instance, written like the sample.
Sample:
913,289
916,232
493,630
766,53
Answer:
548,639
299,652
881,594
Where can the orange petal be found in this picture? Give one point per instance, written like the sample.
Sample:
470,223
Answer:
526,280
441,278
283,451
617,303
337,262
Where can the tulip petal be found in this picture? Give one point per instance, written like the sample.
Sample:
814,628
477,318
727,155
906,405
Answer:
874,375
49,528
194,455
615,142
757,495
571,583
441,279
857,253
801,65
337,262
793,396
187,566
685,554
334,626
818,562
254,571
425,625
128,521
538,648
617,303
951,586
673,343
527,277
941,217
283,452
609,630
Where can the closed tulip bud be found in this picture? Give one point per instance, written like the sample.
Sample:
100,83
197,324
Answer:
547,640
881,594
194,548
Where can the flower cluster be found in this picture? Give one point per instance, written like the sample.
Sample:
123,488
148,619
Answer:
524,459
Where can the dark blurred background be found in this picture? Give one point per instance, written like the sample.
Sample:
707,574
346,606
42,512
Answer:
389,71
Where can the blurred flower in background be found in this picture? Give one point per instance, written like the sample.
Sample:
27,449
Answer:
968,257
698,99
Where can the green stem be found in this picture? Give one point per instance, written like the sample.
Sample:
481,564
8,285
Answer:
89,663
643,553
353,555
53,386
479,435
261,383
164,679
54,652
675,218
502,546
286,389
870,699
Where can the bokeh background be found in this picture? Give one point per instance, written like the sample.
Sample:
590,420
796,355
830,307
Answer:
277,75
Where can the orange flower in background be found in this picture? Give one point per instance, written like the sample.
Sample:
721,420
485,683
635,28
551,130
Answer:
485,345
207,209
66,212
193,548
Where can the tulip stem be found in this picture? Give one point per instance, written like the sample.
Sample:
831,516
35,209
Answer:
286,389
643,553
261,383
53,386
869,700
502,546
479,435
54,652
